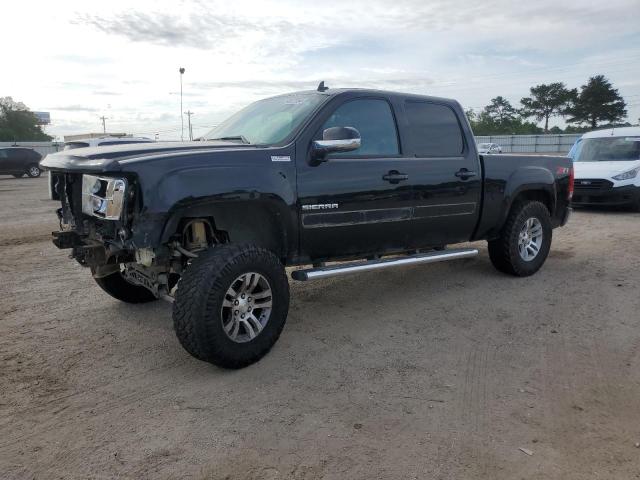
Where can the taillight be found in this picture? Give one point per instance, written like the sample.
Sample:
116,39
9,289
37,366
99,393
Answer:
571,178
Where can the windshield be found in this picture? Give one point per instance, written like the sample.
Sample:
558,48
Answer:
268,121
608,149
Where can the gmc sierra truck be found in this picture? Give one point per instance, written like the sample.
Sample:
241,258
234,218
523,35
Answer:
364,179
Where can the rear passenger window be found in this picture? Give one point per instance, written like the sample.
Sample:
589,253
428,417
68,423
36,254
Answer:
433,130
375,122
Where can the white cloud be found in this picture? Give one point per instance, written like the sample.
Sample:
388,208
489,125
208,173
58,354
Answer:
120,59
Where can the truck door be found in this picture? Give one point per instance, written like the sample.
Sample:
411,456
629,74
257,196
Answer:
357,202
448,184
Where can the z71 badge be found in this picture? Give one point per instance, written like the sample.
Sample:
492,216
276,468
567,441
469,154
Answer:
320,206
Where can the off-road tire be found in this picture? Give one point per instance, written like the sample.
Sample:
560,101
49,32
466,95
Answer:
503,251
34,171
198,305
116,286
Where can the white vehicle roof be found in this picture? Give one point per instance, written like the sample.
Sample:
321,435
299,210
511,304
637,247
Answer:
107,140
614,132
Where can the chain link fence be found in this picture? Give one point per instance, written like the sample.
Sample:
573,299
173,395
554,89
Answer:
532,143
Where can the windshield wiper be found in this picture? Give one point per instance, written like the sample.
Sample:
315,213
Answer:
242,138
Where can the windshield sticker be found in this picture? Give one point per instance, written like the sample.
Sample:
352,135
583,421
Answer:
280,158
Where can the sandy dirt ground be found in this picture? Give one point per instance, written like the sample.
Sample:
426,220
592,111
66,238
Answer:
430,372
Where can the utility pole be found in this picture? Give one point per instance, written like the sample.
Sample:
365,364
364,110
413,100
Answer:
104,124
181,70
188,113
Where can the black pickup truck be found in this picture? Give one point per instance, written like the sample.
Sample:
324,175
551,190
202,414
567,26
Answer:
367,178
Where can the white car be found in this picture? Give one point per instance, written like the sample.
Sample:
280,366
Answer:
607,167
485,148
102,141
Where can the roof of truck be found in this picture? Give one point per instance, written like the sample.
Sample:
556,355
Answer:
613,132
370,91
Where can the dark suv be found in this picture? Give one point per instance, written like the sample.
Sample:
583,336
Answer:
18,161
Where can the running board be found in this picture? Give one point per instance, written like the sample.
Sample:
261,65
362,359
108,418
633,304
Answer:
357,267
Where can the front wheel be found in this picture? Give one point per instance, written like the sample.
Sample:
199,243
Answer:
525,240
231,305
34,171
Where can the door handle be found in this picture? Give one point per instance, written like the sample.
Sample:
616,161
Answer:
395,176
465,174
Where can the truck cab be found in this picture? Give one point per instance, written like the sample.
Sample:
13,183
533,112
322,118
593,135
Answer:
367,178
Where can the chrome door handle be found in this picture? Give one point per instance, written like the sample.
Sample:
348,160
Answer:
395,177
465,174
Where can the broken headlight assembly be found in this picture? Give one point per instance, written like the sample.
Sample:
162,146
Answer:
103,197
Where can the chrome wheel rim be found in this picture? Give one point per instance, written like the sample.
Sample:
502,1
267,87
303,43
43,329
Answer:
246,307
530,239
34,171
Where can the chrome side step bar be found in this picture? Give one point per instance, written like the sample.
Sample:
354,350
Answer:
357,267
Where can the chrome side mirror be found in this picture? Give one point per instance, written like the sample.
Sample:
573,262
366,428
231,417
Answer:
336,140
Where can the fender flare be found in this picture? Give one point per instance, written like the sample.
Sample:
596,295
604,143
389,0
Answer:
529,180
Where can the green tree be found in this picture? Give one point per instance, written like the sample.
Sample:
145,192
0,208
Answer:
597,102
500,110
471,115
500,118
547,101
17,123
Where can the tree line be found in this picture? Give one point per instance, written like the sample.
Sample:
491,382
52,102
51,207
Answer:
18,123
596,104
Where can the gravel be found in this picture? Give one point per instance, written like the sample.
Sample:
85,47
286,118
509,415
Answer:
440,371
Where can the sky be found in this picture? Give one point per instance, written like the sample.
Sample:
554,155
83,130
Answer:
81,60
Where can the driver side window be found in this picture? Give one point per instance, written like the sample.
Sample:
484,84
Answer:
375,122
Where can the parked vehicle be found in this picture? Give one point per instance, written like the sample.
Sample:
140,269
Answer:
104,141
488,148
298,179
107,140
607,168
19,161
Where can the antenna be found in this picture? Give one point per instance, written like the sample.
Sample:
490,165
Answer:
321,87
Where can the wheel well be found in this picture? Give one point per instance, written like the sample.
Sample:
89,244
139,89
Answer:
237,223
534,196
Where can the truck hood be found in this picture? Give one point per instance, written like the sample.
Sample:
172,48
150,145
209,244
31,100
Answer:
603,169
114,158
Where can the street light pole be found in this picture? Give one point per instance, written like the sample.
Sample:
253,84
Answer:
104,124
181,70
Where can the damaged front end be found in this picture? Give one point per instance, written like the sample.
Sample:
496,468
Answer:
101,223
96,217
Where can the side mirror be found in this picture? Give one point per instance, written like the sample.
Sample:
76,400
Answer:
336,140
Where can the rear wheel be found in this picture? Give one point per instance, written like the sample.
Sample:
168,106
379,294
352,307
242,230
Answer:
34,171
231,305
524,241
116,286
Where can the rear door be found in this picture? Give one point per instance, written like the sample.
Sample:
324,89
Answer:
448,184
18,159
361,201
4,161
